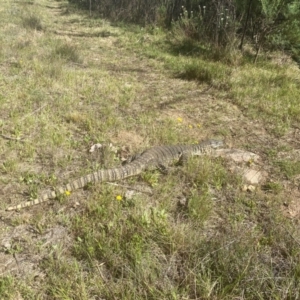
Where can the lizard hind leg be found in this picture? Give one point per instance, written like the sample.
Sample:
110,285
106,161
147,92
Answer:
183,159
163,168
131,158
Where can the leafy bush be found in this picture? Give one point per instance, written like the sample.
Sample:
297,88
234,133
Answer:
262,23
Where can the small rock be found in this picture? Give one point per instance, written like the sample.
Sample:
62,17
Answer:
182,201
252,176
7,246
95,147
248,188
237,155
129,194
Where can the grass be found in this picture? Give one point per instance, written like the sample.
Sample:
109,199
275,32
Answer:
32,22
192,233
289,168
234,77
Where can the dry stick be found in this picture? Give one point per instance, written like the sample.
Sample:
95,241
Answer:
106,281
29,114
130,188
291,235
33,112
10,138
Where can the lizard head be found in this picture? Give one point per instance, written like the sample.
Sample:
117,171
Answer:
215,143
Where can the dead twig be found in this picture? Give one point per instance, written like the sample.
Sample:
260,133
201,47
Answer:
33,112
141,190
18,139
11,138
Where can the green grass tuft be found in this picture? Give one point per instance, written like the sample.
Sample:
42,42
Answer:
32,22
67,52
6,287
197,72
289,168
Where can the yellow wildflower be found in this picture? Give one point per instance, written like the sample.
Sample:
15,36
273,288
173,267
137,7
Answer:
198,125
250,162
179,119
119,198
190,126
67,193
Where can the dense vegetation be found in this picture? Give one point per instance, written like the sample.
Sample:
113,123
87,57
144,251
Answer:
274,24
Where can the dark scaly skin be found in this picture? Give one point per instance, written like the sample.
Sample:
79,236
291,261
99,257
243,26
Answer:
155,157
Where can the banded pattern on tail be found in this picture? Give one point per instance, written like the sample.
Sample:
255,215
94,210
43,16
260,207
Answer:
152,158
